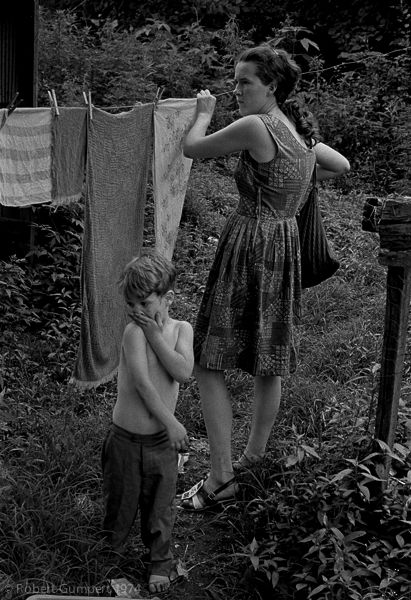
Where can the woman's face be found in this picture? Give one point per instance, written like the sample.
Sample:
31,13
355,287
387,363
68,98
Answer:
253,96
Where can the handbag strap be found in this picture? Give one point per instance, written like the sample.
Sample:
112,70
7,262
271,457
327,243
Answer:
311,188
314,176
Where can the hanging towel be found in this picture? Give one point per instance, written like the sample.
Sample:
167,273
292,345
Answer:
171,169
68,152
25,156
118,156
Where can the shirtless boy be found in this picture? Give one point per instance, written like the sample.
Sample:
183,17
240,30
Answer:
140,450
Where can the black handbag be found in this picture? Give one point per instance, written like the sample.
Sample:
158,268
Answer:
317,261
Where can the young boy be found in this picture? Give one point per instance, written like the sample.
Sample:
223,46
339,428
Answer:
140,451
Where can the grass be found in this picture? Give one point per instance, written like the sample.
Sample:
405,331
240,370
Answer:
303,524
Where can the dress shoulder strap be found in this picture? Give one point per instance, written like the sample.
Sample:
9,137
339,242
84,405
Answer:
281,131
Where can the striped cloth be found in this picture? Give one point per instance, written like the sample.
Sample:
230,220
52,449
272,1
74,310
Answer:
25,157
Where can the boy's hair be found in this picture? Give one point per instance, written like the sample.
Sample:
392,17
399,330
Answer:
150,272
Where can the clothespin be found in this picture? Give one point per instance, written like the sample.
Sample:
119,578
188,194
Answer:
53,100
159,93
10,108
13,104
90,105
53,93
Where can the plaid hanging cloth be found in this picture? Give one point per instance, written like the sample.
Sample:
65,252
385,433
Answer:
118,157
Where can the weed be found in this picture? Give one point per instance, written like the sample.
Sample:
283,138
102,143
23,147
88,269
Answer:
304,526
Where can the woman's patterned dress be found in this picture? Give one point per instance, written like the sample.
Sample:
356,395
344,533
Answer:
253,292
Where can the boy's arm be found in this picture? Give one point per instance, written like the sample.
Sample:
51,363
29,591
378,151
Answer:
178,361
134,345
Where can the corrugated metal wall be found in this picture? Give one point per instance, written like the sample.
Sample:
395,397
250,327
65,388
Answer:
18,73
18,51
8,66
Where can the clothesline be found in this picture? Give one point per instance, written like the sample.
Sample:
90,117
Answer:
355,62
114,107
53,97
133,105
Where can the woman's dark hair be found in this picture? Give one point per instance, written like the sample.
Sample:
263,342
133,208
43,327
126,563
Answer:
278,67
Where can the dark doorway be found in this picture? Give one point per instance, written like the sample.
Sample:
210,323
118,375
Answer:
18,73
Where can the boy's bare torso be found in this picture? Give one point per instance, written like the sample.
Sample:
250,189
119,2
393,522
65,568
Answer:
130,411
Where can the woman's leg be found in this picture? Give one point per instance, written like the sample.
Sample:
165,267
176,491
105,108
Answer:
267,396
217,411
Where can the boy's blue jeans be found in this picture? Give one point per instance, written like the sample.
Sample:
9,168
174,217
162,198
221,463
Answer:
140,471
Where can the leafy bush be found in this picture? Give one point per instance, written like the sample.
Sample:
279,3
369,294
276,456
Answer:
363,111
361,106
15,294
354,548
55,258
121,67
205,206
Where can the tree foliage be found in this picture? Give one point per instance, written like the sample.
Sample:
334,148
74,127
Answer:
361,104
336,26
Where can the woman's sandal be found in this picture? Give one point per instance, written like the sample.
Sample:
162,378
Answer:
197,499
246,462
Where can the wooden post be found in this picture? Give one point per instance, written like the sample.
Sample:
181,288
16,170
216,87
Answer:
392,219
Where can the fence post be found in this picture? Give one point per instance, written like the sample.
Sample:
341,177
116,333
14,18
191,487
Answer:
392,219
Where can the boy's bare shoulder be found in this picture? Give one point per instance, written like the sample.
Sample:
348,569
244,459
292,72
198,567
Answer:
133,333
182,325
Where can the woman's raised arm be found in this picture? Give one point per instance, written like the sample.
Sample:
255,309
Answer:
330,163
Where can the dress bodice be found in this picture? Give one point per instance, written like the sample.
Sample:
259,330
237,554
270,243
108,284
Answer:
282,183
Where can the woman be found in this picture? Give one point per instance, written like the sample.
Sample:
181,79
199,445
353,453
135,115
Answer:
253,292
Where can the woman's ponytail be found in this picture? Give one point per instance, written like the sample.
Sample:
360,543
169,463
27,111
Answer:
303,119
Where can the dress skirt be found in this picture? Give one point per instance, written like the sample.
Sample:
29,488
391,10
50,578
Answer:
253,295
